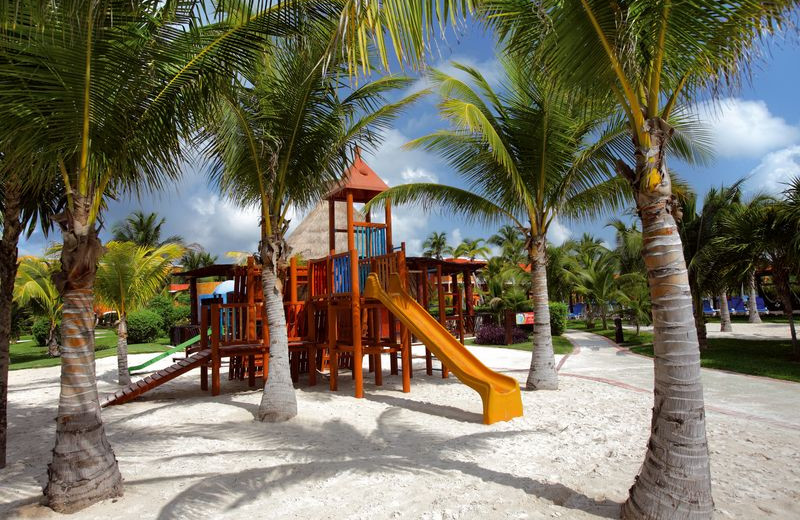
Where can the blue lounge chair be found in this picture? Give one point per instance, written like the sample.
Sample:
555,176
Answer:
761,307
708,310
577,311
736,306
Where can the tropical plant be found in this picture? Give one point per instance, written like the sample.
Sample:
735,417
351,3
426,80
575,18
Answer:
286,134
106,93
526,155
628,246
130,275
35,287
559,281
634,299
653,56
471,249
143,230
597,282
195,258
435,245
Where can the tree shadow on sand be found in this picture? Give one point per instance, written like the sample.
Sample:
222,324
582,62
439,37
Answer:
395,446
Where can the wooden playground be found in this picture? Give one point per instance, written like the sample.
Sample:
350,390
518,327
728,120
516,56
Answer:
366,301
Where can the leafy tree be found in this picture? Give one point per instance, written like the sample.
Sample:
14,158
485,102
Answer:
559,281
471,249
525,154
286,133
653,56
597,281
130,275
35,287
143,230
435,245
194,258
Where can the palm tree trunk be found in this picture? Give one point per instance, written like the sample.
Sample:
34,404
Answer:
12,227
724,313
752,305
84,469
784,289
122,351
699,318
675,478
278,403
53,348
603,318
542,374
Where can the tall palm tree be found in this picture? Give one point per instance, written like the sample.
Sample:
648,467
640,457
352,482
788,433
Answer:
128,276
628,247
106,93
35,286
525,155
144,230
280,141
435,245
559,284
194,258
472,249
653,56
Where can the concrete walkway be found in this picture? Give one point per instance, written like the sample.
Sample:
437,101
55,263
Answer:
749,397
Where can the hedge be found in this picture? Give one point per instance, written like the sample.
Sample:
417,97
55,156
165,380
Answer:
558,318
144,326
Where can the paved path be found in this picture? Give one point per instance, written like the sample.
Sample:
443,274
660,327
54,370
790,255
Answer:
755,398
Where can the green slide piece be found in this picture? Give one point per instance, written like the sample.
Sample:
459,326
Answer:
176,348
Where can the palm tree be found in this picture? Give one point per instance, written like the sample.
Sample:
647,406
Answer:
628,247
130,275
435,246
471,249
34,286
525,156
597,281
280,141
144,230
195,258
106,93
653,56
634,298
24,208
559,283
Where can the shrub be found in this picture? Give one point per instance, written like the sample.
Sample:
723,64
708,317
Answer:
177,315
491,334
558,318
41,331
171,314
144,326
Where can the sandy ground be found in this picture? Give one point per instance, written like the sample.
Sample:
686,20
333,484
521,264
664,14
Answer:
392,455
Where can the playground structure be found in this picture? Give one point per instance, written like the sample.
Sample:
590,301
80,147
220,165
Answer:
364,302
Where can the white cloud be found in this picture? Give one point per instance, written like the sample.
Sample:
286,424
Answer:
557,233
455,237
746,128
490,69
418,175
775,170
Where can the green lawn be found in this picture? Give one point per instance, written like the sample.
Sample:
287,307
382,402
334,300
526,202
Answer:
560,345
769,358
29,355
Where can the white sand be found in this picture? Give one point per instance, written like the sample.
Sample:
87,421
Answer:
425,454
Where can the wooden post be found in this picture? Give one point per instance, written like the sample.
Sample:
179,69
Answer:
442,309
470,303
510,321
389,247
293,280
193,303
405,346
457,306
355,304
204,345
331,225
351,239
215,357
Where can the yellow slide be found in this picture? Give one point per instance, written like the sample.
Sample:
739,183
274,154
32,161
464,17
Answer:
500,393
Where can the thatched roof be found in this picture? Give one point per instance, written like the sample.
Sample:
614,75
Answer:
310,238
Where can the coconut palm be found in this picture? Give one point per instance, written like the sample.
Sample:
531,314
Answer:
34,286
559,282
597,281
628,247
525,155
435,245
144,230
471,249
653,56
285,136
130,275
106,93
195,258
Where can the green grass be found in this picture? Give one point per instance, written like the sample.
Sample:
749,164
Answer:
768,358
29,355
560,345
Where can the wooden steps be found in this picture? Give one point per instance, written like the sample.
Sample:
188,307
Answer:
137,388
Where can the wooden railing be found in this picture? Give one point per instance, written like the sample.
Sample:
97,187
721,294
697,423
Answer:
318,277
370,239
342,280
296,321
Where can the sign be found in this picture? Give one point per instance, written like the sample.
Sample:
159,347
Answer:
524,318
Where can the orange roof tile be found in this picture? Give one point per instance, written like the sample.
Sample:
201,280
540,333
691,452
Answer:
361,180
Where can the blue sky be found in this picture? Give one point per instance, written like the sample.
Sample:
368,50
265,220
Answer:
758,128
